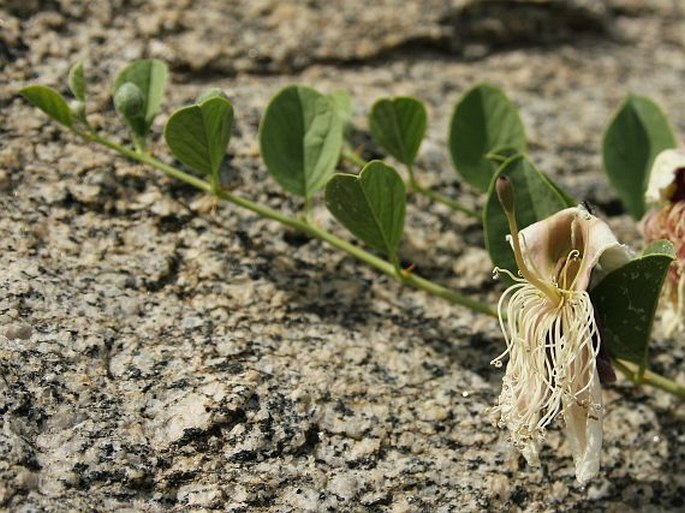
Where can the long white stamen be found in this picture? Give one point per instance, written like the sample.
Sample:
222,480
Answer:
552,350
551,336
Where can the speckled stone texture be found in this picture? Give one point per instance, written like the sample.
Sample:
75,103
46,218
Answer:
161,353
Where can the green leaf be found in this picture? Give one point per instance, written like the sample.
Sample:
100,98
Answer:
343,106
210,93
371,205
625,303
150,76
49,101
399,125
636,134
660,247
77,81
536,198
484,121
198,134
300,138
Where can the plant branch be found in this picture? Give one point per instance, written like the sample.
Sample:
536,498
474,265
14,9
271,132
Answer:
300,225
353,158
632,372
439,198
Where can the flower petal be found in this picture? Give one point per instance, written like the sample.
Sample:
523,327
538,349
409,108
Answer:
583,416
662,176
550,241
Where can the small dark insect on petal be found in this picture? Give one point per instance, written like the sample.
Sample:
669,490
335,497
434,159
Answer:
588,206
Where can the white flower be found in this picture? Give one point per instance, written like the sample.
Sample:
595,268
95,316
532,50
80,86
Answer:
666,192
552,338
663,177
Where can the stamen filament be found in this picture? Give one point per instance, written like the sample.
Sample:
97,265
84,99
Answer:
505,194
548,290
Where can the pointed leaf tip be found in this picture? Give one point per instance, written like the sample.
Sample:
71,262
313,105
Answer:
77,81
50,102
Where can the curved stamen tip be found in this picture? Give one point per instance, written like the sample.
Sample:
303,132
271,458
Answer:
505,194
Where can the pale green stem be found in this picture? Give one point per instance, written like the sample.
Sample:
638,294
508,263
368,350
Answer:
496,157
439,198
307,210
632,372
436,196
413,184
302,225
355,159
352,157
139,143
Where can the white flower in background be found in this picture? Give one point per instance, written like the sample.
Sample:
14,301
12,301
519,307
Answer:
552,338
666,192
667,178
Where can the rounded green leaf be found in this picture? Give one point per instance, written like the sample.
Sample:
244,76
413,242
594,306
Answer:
484,121
371,205
637,133
343,105
198,134
210,93
150,76
49,101
300,138
77,81
399,126
536,198
626,300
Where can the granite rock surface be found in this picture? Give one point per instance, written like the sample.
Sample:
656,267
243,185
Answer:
161,353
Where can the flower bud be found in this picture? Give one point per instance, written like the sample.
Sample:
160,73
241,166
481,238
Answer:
505,194
78,109
129,101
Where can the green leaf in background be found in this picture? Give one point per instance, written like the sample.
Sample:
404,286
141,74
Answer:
77,81
484,121
399,126
636,134
198,134
210,93
343,106
49,101
371,205
536,198
625,303
150,76
300,137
